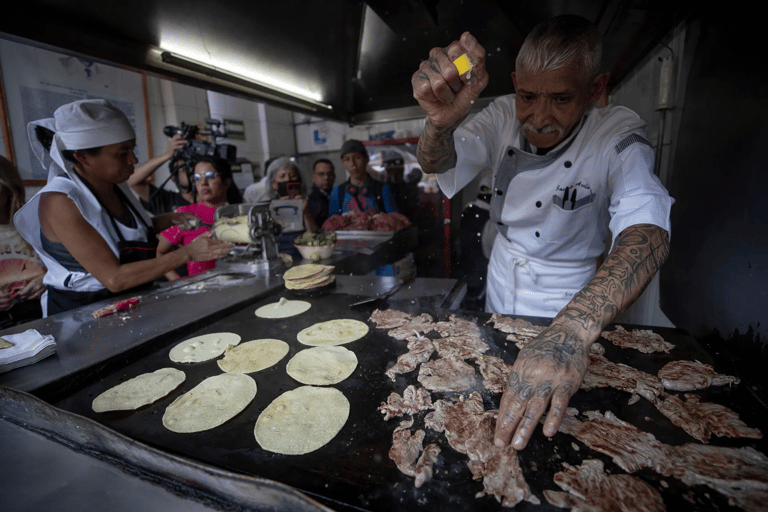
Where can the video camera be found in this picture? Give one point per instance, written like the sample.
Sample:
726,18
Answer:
197,147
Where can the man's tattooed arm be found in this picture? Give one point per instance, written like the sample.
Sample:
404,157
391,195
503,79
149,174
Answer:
436,152
552,366
638,254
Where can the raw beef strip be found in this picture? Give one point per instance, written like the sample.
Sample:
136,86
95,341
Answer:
590,489
419,350
603,373
692,375
701,420
389,318
503,478
741,474
462,347
406,447
447,374
421,324
520,331
455,326
629,447
413,400
643,340
495,373
440,419
425,463
469,429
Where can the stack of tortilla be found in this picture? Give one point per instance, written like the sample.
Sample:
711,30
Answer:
305,277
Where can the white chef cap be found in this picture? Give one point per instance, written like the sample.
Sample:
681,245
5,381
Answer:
40,151
86,124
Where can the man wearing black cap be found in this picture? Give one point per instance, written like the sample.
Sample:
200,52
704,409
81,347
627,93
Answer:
359,192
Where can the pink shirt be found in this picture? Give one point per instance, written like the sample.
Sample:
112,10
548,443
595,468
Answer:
177,236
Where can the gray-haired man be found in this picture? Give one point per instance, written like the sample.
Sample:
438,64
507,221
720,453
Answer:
566,176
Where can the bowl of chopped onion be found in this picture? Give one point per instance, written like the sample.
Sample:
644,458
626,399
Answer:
315,246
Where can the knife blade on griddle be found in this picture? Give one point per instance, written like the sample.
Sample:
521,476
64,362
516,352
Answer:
382,295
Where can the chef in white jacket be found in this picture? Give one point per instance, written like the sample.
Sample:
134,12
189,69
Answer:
567,176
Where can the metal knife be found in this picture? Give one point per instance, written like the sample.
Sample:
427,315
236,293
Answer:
383,295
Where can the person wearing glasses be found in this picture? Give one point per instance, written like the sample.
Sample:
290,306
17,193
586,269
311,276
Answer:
212,177
92,234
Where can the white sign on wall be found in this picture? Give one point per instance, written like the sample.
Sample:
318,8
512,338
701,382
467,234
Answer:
320,136
37,82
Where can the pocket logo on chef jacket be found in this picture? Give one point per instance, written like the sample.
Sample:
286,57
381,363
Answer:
573,197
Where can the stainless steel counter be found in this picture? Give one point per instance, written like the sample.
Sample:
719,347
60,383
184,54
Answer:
176,308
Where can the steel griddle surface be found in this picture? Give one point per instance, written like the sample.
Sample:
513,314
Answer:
354,471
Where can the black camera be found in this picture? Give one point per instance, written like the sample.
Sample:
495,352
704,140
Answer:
196,147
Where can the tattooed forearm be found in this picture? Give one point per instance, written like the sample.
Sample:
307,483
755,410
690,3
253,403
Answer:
637,255
436,151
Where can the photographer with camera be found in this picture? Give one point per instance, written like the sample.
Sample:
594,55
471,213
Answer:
158,200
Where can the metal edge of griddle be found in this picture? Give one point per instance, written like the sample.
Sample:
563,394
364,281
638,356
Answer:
209,485
57,389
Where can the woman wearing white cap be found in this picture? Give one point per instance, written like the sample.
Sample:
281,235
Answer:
89,229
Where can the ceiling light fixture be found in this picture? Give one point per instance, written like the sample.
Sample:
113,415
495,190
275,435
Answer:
244,84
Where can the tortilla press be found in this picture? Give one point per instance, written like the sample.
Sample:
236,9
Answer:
258,234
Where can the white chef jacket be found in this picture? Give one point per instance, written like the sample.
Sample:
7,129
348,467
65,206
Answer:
554,211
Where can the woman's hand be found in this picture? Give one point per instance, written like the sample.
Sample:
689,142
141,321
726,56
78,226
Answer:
34,288
7,301
205,248
185,220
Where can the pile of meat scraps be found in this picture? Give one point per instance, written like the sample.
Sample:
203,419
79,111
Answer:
366,221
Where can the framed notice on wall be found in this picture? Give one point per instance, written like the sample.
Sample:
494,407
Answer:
38,81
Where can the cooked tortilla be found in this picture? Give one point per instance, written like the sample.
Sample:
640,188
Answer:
306,285
307,271
210,404
302,420
253,356
322,366
4,343
203,348
283,309
139,391
333,332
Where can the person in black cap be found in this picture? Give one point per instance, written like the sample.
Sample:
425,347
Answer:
359,192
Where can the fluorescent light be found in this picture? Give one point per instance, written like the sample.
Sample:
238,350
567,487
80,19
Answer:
271,87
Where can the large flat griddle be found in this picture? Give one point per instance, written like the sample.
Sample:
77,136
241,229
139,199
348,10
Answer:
354,471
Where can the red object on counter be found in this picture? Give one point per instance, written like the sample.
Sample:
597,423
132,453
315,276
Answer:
117,306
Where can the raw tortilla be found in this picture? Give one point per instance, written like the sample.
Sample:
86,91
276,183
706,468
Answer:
253,356
233,229
333,332
139,391
284,308
321,366
210,403
203,348
302,420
